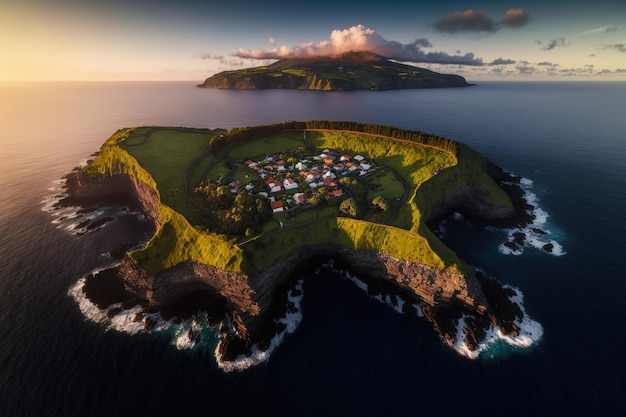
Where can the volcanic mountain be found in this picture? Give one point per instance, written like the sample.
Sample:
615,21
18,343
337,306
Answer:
350,71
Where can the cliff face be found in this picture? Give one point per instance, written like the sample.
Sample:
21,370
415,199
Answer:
319,81
253,302
84,190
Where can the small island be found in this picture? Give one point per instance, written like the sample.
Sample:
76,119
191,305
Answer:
238,215
350,71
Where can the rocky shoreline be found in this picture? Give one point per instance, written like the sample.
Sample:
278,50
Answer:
253,303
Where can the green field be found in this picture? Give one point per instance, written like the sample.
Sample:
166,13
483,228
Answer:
174,161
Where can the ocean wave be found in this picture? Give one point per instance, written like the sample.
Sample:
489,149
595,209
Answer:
185,334
77,220
530,332
291,321
535,235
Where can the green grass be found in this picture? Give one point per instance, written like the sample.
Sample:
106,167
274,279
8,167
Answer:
170,159
168,156
176,240
296,72
256,149
385,184
243,176
219,170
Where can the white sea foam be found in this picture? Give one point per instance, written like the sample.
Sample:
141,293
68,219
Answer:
418,310
536,234
526,181
505,250
387,299
132,321
530,332
291,321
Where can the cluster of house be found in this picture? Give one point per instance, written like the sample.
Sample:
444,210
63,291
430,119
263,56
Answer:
306,175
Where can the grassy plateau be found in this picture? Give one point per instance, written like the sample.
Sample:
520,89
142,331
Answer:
411,177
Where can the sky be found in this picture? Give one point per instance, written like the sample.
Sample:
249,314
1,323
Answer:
84,40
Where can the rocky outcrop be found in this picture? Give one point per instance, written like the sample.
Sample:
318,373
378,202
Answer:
467,202
91,190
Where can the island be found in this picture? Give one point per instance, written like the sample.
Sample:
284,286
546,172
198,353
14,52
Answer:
350,71
239,215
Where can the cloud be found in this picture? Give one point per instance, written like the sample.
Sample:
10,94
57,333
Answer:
210,56
423,42
554,43
620,47
547,64
468,21
525,69
501,61
480,21
620,70
272,41
222,60
359,39
604,71
515,18
602,29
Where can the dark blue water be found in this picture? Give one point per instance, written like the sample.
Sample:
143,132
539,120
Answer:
350,355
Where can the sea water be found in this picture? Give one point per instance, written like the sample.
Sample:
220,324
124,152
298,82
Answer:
345,353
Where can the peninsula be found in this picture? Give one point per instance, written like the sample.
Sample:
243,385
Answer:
350,71
239,215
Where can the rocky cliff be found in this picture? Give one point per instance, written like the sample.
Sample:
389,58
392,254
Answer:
253,302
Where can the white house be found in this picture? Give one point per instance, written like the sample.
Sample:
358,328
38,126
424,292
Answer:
273,185
290,184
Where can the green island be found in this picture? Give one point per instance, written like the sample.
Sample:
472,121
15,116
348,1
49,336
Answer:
238,215
350,71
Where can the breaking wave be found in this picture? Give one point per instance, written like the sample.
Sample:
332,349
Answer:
184,334
79,220
535,235
291,321
530,331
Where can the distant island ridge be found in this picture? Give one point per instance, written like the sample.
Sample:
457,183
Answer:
239,215
347,72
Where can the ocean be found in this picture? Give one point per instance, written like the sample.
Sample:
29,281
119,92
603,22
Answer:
349,354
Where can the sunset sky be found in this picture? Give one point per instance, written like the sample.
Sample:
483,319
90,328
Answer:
44,40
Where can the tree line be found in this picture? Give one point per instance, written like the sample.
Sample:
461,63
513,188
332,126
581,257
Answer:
233,215
238,135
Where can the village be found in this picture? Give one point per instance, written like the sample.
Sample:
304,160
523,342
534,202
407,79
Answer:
289,182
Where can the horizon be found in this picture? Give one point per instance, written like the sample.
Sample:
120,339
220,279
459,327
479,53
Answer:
156,40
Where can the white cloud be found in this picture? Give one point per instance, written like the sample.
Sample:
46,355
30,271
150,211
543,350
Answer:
602,29
358,39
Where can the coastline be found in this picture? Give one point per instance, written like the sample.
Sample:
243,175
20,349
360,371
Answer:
253,329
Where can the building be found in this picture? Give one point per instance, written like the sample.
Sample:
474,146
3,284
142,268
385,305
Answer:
277,206
290,184
300,198
273,185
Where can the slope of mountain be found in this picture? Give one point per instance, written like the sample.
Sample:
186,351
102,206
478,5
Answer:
351,71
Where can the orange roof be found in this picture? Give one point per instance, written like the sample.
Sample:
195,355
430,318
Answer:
276,204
